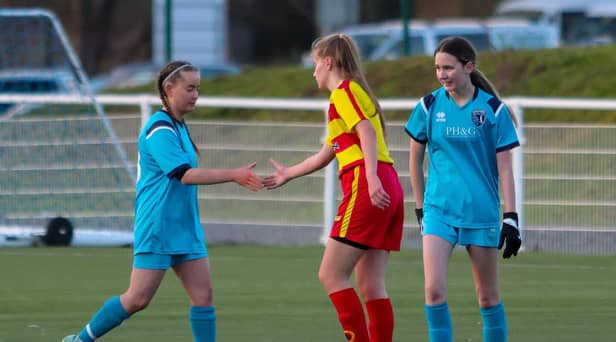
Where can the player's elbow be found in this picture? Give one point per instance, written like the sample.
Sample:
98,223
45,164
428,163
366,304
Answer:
186,177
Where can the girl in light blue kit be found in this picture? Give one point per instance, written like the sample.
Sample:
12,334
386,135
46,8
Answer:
469,133
168,232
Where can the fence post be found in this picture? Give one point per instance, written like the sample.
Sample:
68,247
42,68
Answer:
329,192
518,166
146,109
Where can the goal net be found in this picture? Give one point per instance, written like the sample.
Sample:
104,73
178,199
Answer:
56,159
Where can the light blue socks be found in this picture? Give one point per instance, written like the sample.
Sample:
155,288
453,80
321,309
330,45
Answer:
494,323
110,315
439,322
440,327
203,323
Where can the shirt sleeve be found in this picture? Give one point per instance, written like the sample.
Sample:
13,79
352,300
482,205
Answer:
507,136
416,126
352,104
164,145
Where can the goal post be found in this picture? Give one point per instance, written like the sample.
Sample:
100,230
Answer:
37,157
27,54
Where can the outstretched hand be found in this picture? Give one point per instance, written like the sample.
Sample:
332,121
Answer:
278,178
245,177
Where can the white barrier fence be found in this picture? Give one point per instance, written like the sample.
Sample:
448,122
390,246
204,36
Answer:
228,143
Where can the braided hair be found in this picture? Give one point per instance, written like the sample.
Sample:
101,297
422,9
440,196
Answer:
170,73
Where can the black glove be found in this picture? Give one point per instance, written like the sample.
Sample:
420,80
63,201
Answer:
511,234
419,214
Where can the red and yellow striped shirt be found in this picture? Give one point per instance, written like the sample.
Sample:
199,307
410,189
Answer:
348,105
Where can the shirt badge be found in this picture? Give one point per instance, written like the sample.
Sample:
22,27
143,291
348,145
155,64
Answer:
478,117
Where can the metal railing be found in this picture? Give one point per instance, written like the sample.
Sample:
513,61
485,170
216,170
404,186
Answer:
565,185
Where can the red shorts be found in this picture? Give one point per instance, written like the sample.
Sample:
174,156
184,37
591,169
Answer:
361,223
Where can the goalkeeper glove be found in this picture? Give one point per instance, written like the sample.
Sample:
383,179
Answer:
510,235
419,214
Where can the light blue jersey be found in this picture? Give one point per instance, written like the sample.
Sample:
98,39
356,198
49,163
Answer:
166,211
462,185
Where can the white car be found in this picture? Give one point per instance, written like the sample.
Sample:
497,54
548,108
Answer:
368,38
426,35
384,40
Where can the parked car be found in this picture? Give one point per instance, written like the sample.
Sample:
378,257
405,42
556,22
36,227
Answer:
578,22
368,37
600,25
425,36
140,74
521,34
384,40
33,81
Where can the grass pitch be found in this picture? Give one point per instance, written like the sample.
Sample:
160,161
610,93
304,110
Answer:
272,294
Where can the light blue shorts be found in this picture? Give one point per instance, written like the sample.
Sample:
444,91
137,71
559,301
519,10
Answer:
482,237
153,261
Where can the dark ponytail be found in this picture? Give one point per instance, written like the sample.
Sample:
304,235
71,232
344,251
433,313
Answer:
463,50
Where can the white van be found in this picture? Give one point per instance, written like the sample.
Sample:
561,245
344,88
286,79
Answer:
573,18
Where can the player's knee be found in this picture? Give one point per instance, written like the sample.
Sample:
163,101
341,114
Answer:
323,276
136,303
204,297
487,295
329,280
372,289
435,295
486,301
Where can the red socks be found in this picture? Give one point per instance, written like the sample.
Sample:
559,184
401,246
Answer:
381,316
351,315
353,321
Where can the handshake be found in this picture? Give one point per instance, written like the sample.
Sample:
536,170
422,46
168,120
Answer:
245,177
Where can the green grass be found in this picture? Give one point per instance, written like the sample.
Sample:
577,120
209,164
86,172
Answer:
564,72
272,294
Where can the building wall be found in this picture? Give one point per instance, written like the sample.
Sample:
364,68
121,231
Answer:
198,31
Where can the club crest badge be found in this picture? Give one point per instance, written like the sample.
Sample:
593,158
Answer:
478,117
